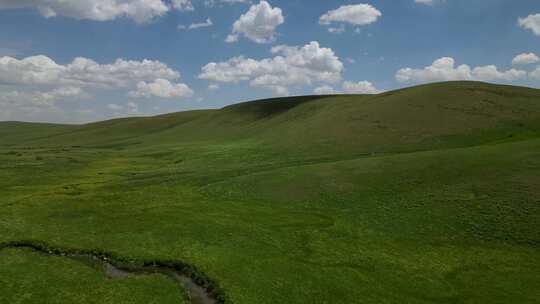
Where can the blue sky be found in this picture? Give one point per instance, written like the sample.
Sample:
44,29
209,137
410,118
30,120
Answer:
207,54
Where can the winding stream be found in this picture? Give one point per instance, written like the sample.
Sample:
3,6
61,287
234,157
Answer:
199,288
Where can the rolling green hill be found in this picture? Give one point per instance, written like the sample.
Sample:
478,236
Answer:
424,117
422,195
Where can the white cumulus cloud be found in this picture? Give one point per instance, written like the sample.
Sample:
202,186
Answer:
349,87
183,5
97,10
337,30
162,88
531,22
525,58
42,70
324,90
292,66
198,25
356,14
207,23
41,98
32,86
490,73
361,87
535,74
35,105
444,69
258,24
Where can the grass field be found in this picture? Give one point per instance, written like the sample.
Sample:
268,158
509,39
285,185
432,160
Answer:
424,195
29,277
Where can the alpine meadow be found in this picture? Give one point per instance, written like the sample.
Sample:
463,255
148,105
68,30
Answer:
319,190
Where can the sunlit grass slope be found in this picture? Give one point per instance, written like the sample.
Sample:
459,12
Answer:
422,195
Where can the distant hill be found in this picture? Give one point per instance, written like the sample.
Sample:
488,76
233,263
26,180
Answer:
450,114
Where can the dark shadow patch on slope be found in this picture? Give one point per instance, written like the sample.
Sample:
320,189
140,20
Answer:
273,106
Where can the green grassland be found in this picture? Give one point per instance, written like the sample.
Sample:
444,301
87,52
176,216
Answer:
28,277
424,195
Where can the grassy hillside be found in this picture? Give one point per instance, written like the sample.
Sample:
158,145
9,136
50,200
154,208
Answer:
430,115
423,195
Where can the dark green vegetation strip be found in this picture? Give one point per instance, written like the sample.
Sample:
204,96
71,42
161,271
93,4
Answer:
422,195
127,264
27,276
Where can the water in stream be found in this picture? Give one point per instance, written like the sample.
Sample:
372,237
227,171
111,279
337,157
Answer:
196,293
